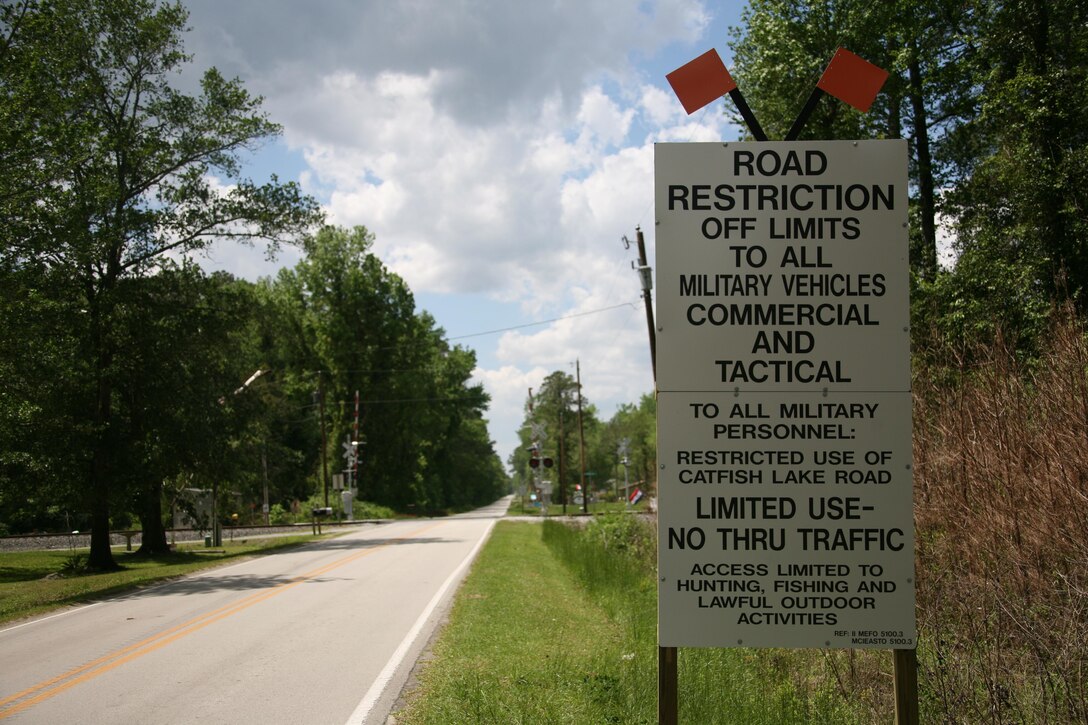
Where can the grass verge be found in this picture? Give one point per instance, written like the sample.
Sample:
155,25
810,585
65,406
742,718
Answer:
557,624
522,508
524,644
36,582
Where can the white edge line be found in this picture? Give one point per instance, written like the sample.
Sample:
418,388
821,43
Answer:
370,699
65,613
138,590
109,598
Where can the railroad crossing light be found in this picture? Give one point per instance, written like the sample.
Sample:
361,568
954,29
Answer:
534,463
547,463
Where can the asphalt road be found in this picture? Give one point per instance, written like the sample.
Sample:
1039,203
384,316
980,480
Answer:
326,633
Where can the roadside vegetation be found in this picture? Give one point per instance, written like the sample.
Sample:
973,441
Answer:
36,582
519,507
1001,511
299,512
558,623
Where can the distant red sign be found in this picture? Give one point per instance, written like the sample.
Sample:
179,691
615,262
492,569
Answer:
701,81
852,79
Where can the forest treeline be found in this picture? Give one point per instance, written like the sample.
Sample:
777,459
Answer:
128,373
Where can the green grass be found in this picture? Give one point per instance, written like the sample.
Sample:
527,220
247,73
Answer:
36,582
558,625
600,507
524,645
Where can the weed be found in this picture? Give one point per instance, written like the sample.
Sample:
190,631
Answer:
74,565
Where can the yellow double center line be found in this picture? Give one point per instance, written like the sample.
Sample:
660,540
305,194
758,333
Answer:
13,704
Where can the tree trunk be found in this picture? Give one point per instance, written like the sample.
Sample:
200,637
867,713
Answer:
101,555
927,263
153,538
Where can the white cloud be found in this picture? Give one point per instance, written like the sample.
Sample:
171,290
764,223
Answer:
660,106
601,119
494,148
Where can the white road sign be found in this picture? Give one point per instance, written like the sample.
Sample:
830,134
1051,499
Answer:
784,414
782,266
784,520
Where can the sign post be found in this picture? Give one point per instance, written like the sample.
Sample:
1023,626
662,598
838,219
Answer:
784,409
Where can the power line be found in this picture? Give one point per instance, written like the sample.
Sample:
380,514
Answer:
543,322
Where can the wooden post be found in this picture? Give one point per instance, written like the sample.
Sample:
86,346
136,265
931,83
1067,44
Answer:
324,438
581,438
648,300
667,687
906,686
667,678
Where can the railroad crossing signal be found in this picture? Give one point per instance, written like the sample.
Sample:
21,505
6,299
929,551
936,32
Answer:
349,447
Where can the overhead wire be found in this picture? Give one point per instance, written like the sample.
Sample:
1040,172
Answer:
543,322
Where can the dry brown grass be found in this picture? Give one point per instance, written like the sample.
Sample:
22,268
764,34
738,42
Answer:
1001,507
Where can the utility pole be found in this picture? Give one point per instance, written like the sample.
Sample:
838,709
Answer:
581,437
562,482
217,531
559,447
624,443
531,482
667,684
356,441
645,274
324,439
264,479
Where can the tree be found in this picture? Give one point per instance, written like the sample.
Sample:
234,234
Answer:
345,323
112,173
42,440
555,411
187,346
1024,157
637,426
784,46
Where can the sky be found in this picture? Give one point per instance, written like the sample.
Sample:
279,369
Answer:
499,150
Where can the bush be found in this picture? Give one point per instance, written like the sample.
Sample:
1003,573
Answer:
279,515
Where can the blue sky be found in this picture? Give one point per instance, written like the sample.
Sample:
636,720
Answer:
499,151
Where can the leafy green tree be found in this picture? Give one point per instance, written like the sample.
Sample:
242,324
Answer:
555,413
287,435
1024,158
635,428
348,324
186,349
114,170
781,50
42,439
783,46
